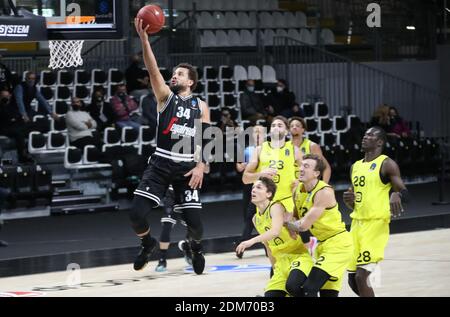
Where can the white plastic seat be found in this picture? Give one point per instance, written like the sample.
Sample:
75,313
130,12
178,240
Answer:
254,72
247,38
222,39
208,39
231,20
269,74
327,36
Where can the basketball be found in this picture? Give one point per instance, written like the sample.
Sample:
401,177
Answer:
152,15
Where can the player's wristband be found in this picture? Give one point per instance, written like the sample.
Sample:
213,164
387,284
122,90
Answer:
305,235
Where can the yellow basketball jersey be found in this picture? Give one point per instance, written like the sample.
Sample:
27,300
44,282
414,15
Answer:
283,159
305,147
284,243
330,222
372,195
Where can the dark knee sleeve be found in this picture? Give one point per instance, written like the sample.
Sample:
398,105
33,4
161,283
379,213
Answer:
328,293
165,232
316,279
194,223
138,214
352,283
294,283
275,293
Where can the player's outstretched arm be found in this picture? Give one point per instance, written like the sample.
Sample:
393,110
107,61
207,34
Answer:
160,89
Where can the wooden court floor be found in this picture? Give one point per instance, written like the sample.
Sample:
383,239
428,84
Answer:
416,264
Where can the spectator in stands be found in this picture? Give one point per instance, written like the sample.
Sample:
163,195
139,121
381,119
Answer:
25,92
12,126
399,126
144,88
149,113
282,99
6,78
226,120
294,111
134,74
100,110
125,109
81,126
381,118
251,104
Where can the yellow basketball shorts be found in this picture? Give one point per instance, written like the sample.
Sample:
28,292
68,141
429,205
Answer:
333,256
283,266
370,238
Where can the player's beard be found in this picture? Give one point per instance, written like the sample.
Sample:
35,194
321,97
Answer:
176,89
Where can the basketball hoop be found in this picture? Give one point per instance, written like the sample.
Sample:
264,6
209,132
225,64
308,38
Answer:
63,53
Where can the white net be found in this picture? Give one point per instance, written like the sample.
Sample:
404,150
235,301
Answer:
64,54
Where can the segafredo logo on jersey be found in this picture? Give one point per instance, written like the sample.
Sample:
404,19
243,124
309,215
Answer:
14,30
235,268
179,129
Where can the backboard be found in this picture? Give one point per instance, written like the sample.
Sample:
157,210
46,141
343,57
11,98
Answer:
82,19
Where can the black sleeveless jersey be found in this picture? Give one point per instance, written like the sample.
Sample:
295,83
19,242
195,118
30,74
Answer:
176,128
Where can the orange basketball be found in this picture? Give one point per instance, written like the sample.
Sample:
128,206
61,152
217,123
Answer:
152,15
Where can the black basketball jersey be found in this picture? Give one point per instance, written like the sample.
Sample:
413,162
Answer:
176,123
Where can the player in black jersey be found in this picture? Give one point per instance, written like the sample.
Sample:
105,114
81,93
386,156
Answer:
181,117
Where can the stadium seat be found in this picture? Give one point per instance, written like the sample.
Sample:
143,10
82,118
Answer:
268,74
48,78
37,142
311,125
254,72
208,39
227,87
145,134
111,136
99,77
308,110
339,124
129,135
222,39
327,36
82,77
115,76
247,38
212,87
231,20
47,92
61,107
267,37
65,77
82,92
58,125
63,93
301,19
234,39
325,125
56,141
320,110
